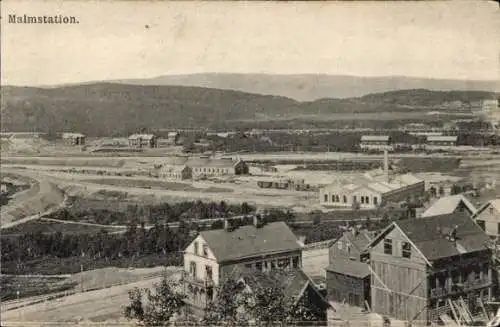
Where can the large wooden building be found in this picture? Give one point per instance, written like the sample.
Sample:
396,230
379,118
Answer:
376,142
430,269
142,141
217,167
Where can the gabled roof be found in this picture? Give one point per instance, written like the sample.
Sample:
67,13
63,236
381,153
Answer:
207,162
141,136
375,138
360,240
447,205
69,135
442,138
427,235
293,282
493,203
249,241
349,267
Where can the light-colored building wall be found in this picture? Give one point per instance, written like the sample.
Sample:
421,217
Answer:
489,220
339,196
195,253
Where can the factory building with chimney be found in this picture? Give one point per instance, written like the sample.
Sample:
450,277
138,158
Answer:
371,190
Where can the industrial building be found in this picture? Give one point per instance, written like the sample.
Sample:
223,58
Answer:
370,191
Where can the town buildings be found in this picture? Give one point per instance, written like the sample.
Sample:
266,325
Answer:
375,142
450,204
142,141
213,255
488,217
371,191
73,139
430,269
173,137
179,172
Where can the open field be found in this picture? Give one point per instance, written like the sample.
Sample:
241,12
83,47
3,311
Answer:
33,286
103,305
46,227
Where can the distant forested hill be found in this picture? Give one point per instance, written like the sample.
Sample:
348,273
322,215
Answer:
117,109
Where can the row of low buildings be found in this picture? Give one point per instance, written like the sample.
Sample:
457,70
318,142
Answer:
186,168
385,142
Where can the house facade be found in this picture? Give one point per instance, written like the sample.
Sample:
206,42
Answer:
217,167
348,273
73,139
142,141
439,267
178,172
215,254
488,218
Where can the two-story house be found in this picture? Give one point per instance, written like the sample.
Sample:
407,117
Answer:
213,255
348,273
431,269
488,217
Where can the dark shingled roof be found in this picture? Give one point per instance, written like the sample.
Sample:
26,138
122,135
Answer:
426,235
360,240
349,267
292,282
248,241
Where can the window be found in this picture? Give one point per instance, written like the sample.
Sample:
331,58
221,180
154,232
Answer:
205,250
326,197
258,266
388,246
367,199
337,198
295,262
492,211
196,248
340,244
192,268
273,265
345,199
362,199
406,249
481,224
209,273
284,263
375,200
333,198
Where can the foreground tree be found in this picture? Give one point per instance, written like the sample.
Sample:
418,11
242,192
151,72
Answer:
163,304
226,308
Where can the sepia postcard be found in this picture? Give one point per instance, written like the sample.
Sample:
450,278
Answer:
260,163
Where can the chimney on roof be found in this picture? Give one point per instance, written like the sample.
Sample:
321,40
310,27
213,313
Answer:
386,165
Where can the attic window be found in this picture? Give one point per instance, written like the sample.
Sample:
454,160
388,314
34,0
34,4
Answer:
340,244
205,250
406,250
388,246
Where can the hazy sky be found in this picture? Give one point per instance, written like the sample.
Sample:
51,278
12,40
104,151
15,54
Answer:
426,39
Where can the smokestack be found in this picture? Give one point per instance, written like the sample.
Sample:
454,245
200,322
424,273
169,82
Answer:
255,220
226,224
386,165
